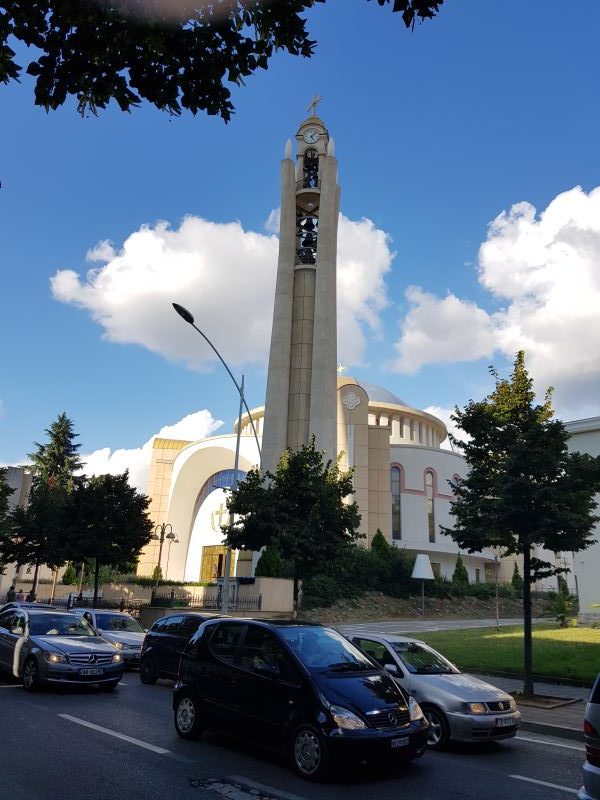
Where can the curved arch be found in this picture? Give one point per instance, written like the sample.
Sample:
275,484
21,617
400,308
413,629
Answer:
430,479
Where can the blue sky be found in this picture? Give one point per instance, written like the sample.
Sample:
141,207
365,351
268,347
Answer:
491,109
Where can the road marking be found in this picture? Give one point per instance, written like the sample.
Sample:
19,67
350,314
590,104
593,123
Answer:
581,748
545,783
130,739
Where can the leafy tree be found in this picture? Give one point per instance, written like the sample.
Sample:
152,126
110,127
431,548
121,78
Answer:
107,521
460,576
299,510
523,489
269,564
517,581
5,493
175,56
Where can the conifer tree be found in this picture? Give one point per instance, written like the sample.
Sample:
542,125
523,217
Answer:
460,576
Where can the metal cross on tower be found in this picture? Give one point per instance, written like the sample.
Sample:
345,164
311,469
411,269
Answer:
313,106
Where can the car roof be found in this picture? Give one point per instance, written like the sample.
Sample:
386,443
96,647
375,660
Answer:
82,610
49,610
24,604
383,637
275,623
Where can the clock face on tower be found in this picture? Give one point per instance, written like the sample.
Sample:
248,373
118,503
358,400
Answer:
311,136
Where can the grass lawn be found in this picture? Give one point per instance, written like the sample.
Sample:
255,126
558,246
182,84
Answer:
572,653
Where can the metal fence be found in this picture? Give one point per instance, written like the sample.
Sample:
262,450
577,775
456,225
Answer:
209,601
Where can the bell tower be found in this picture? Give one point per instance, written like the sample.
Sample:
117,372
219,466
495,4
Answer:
301,395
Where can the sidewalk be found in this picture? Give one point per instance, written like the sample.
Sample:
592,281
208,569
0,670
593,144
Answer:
564,721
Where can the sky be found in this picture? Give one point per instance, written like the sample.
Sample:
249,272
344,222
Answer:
470,173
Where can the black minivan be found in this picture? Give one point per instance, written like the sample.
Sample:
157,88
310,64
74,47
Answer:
300,689
164,644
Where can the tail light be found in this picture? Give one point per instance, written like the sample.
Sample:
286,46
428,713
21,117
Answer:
592,753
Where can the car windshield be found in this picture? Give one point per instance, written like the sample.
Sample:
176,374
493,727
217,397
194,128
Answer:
118,623
325,649
58,625
422,660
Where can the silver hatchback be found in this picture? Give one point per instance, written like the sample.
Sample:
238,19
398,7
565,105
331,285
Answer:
591,728
457,706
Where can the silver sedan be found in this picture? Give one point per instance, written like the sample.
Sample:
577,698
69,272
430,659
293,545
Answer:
48,646
123,630
458,706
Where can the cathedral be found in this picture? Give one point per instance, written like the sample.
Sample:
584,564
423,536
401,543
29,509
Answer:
401,472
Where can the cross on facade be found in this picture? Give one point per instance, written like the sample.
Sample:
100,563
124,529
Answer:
313,106
341,368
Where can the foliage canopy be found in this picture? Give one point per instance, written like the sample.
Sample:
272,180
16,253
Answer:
176,56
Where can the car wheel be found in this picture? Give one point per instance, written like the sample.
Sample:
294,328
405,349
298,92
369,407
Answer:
148,670
31,675
187,717
438,735
309,753
110,686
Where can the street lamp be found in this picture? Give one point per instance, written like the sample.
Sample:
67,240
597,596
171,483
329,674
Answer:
188,317
161,532
174,540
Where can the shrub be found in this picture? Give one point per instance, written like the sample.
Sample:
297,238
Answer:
269,564
460,576
517,581
69,577
320,590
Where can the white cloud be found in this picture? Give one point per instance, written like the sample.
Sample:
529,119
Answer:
545,269
137,460
436,330
444,414
225,275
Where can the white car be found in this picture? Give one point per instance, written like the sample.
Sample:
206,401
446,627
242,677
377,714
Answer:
457,706
123,630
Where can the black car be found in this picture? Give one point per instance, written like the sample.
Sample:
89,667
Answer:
164,643
303,690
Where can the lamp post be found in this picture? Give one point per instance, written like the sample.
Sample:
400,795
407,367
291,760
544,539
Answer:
161,532
188,317
171,541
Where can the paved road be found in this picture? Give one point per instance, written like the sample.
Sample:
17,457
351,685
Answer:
87,745
404,626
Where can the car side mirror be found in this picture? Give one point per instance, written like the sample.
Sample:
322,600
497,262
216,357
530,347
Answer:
18,631
391,668
99,631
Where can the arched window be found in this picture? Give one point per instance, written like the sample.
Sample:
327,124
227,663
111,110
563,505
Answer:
429,505
226,479
396,515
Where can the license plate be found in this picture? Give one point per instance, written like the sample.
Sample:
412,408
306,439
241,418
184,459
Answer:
91,671
401,742
504,722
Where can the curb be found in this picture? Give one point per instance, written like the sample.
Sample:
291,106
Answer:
563,732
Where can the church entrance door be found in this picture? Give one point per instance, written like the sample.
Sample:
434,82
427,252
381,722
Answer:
213,563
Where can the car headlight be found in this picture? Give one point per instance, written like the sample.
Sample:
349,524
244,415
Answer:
117,657
416,712
54,658
513,704
475,708
346,719
119,645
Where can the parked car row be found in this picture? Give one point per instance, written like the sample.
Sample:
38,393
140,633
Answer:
300,689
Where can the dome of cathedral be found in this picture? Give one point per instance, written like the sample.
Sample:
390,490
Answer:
378,394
